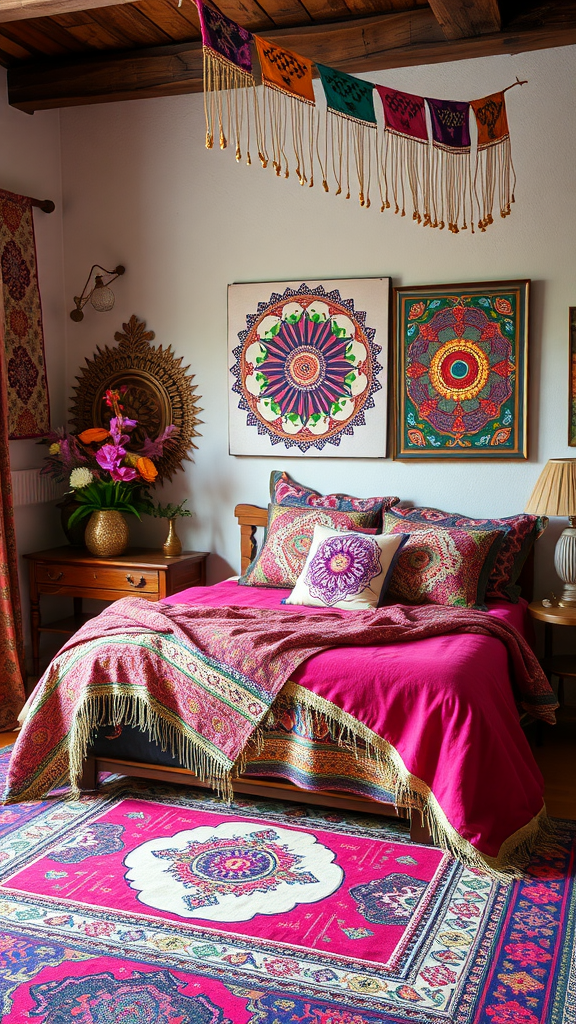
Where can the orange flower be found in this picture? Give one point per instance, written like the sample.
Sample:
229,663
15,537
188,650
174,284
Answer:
147,470
93,435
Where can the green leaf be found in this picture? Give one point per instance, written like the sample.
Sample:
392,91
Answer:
350,378
273,331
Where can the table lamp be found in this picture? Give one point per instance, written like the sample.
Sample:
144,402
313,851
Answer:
555,495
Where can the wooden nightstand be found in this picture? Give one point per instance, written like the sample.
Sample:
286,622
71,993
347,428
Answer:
74,572
561,665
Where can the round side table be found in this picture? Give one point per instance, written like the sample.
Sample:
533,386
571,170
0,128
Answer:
561,665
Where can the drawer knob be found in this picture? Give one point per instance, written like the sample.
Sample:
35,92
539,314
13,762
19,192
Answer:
56,577
141,583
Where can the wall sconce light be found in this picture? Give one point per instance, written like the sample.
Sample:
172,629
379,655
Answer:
99,294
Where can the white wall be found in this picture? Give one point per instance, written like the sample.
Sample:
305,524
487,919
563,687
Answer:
140,188
30,165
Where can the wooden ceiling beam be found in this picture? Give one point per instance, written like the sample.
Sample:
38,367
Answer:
461,19
371,44
19,10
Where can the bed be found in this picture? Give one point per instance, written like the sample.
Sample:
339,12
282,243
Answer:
310,756
433,747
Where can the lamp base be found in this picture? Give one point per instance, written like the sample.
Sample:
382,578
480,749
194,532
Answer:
565,565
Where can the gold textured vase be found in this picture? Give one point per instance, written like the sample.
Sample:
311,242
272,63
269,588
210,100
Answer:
172,545
106,534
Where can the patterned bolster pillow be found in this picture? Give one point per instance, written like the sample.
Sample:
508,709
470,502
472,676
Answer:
442,566
288,537
285,491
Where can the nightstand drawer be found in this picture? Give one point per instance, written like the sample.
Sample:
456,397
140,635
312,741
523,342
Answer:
128,580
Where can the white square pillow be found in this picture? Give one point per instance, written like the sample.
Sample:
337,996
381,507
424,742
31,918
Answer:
346,569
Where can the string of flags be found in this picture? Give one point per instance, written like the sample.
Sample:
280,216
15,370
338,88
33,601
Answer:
419,162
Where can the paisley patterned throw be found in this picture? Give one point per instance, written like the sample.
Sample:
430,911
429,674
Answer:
285,491
28,407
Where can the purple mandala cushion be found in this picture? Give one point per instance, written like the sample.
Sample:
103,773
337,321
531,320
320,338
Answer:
519,534
288,538
346,570
285,491
442,566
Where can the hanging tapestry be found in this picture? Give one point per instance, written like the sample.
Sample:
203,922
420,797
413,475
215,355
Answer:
461,384
572,379
452,185
308,365
494,167
28,407
404,153
288,94
227,76
350,129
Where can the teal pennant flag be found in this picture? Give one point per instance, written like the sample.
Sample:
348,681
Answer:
348,96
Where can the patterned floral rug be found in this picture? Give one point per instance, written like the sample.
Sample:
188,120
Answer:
155,905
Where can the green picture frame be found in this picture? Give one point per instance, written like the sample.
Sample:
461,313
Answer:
461,371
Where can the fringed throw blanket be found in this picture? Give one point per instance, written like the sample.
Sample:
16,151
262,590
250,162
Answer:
200,680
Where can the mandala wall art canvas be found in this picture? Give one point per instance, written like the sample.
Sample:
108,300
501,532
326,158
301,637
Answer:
461,371
308,368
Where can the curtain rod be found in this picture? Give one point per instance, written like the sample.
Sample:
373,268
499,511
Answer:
44,204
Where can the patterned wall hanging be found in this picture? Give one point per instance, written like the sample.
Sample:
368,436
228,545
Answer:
461,371
572,379
308,368
287,103
429,163
28,405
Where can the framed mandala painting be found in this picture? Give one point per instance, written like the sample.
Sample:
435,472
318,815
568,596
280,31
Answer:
308,368
461,371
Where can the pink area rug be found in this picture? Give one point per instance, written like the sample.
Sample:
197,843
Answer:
158,905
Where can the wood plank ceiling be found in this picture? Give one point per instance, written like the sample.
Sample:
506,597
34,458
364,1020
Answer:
151,47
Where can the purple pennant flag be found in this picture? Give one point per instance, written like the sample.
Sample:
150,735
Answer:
450,124
227,40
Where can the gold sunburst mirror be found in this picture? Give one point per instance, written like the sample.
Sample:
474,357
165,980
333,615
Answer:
159,392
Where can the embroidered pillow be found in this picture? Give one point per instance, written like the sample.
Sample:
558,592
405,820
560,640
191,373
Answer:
285,491
288,538
442,566
519,534
346,570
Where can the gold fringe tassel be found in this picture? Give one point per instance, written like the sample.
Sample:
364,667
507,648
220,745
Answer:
287,116
409,792
227,107
405,168
494,175
350,141
451,189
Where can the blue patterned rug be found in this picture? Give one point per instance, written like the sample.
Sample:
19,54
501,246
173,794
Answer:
151,904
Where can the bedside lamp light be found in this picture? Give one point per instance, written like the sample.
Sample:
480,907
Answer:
555,495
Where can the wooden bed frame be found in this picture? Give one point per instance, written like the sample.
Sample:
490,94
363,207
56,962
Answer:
250,518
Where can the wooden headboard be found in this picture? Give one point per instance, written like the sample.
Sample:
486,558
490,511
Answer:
250,517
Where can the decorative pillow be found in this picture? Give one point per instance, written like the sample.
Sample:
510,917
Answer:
442,566
288,538
346,570
519,534
285,491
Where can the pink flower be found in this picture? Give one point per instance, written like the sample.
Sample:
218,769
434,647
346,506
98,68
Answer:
511,1013
109,457
540,893
154,449
99,928
528,954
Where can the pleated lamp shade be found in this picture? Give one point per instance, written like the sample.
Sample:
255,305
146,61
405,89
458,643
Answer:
555,490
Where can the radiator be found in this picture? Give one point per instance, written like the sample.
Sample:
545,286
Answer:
29,488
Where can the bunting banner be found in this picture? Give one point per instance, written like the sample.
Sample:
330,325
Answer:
420,154
350,130
227,76
404,153
494,167
451,190
287,103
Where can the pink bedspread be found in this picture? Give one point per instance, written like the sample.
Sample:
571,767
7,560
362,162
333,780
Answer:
445,704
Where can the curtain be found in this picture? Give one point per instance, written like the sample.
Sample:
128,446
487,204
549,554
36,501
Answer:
12,672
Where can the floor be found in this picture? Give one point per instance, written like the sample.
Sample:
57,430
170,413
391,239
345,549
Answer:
556,757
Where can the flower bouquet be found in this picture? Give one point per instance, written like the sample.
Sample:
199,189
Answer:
105,477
